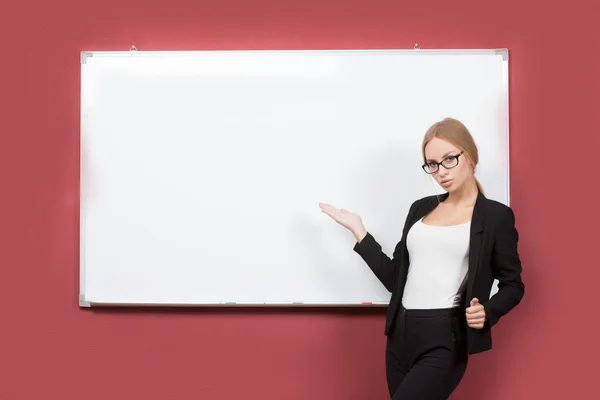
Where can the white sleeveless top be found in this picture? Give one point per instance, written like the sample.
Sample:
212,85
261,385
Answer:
439,257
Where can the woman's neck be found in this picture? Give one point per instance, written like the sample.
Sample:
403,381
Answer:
465,195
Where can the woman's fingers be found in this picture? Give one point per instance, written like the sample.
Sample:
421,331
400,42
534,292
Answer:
338,215
327,208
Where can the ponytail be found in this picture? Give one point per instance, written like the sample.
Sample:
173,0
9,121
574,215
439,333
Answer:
479,187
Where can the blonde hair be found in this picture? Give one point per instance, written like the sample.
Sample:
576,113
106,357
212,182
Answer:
455,132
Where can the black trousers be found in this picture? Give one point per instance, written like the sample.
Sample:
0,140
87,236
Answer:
426,354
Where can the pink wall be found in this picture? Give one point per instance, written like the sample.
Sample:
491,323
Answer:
52,349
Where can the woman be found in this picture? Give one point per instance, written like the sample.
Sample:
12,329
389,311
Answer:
452,247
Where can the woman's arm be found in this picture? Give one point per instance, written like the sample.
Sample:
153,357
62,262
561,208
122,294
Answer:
506,268
384,268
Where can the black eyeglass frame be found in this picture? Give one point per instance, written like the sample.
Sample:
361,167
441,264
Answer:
441,163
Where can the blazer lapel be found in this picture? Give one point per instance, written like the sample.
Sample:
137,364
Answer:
421,211
475,243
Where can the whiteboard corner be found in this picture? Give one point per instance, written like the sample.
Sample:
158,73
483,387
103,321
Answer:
83,302
502,52
85,55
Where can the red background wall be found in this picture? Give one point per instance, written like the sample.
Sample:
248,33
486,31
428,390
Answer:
52,349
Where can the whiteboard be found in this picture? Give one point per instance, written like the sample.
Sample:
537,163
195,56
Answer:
201,172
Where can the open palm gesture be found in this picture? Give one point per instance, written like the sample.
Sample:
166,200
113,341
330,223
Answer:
347,219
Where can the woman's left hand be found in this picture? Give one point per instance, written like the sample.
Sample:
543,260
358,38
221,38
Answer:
476,314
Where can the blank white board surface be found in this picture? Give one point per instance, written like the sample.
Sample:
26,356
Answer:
201,172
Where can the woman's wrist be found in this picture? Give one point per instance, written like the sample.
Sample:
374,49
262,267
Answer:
359,233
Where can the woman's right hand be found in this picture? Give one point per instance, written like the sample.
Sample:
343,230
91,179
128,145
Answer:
347,219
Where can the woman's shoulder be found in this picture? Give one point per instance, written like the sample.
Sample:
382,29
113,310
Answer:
498,211
431,200
496,206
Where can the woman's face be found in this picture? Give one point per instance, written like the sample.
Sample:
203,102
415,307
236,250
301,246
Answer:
456,169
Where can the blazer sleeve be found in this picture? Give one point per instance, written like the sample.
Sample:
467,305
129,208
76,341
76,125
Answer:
506,268
384,267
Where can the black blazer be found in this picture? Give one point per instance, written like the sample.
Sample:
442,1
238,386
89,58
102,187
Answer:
492,254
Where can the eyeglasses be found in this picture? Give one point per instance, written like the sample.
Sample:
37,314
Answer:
449,162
